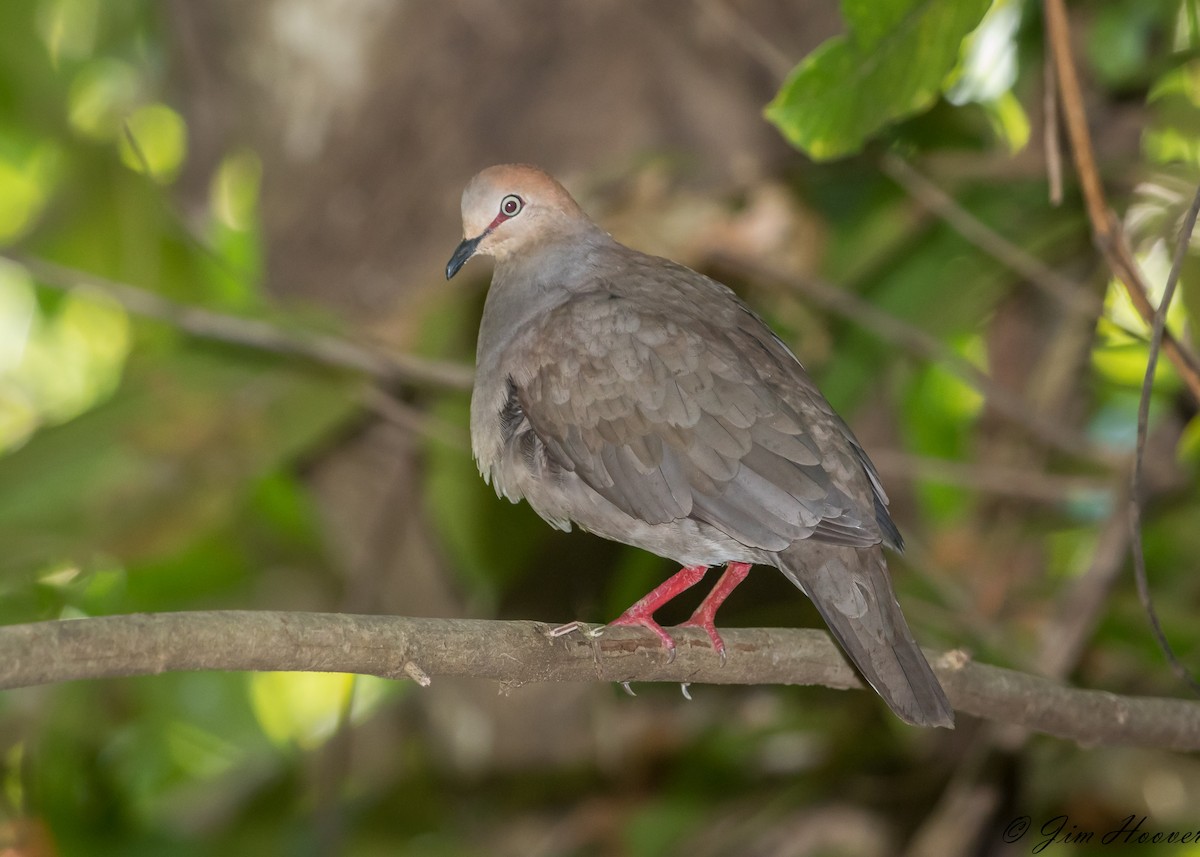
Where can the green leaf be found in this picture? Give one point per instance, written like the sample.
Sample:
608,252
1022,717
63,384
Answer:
891,63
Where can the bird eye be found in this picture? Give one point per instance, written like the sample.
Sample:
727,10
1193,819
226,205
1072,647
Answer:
511,205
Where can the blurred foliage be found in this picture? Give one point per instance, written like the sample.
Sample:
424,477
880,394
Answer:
893,61
143,470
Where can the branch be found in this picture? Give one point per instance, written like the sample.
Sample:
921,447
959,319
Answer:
1070,294
1051,143
744,34
1157,339
983,477
1107,232
519,652
255,333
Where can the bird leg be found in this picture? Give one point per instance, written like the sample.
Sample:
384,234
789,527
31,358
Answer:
706,614
642,613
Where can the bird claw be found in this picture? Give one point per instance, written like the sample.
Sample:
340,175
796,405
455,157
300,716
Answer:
563,630
708,628
683,688
581,627
628,689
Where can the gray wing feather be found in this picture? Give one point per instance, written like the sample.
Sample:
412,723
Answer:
668,414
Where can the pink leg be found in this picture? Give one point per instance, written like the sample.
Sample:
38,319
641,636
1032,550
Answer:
642,613
706,613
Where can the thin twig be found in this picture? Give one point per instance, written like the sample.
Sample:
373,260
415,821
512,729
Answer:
1021,482
1106,230
411,419
1051,139
1143,421
329,777
891,329
520,652
748,37
1064,641
1079,608
970,801
1066,291
1066,635
255,333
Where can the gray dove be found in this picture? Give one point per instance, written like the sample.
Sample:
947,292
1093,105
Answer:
644,402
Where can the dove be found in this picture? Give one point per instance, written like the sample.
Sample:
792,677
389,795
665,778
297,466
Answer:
644,402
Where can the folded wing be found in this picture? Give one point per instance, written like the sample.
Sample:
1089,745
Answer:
669,415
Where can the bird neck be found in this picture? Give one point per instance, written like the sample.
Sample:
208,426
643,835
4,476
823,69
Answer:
529,284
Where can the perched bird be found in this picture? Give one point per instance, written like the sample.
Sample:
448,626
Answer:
644,402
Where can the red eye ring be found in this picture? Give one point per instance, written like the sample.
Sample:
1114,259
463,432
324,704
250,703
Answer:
511,205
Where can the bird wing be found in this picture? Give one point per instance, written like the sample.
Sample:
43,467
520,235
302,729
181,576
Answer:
673,405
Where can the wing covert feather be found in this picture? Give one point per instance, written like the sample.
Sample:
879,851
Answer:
669,415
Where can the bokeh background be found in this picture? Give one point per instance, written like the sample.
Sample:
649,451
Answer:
299,163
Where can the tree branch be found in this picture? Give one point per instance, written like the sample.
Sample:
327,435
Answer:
1051,143
1157,340
1106,230
519,652
256,333
1070,294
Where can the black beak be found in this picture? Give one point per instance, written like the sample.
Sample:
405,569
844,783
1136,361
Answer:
464,251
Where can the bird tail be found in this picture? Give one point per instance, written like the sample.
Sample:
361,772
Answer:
851,589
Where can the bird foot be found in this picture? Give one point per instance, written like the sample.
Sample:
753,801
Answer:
642,613
706,625
570,627
706,614
632,617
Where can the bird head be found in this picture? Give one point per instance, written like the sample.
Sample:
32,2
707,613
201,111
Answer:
511,207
